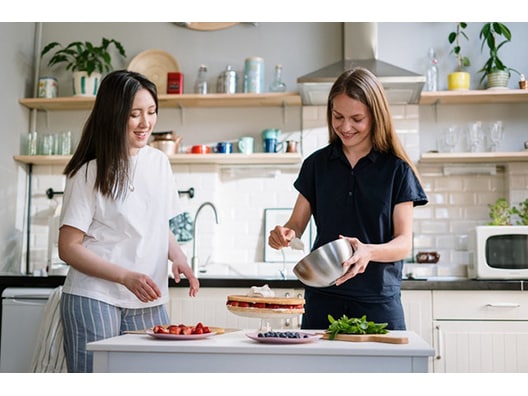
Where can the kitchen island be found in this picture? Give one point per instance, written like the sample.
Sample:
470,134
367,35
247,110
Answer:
234,352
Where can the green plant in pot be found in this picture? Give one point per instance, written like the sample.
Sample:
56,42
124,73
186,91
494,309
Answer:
522,212
500,213
86,61
494,70
460,79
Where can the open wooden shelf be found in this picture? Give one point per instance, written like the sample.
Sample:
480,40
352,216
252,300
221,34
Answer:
190,159
488,157
282,99
480,96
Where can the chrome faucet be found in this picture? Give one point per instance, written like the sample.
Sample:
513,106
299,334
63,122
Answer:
194,260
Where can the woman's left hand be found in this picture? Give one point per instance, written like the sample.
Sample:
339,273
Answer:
356,264
184,268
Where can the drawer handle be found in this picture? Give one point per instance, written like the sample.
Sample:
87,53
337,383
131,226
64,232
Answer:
503,305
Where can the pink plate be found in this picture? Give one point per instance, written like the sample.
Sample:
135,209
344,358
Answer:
305,338
179,336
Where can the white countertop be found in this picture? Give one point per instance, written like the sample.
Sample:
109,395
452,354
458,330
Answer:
237,342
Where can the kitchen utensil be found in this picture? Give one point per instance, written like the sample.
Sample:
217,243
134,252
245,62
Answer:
427,257
227,81
385,338
155,65
291,146
297,244
245,144
305,338
216,330
200,149
272,146
271,133
223,148
179,336
323,266
167,142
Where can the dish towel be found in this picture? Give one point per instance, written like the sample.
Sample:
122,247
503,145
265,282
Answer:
48,356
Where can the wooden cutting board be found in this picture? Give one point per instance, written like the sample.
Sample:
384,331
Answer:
386,338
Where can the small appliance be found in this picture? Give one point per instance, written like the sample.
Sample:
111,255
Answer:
499,252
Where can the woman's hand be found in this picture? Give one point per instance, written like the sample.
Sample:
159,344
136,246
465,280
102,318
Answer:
280,237
142,286
356,264
181,267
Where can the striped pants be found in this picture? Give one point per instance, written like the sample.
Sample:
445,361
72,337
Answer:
86,320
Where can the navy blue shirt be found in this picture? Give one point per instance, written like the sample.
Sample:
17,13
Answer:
359,202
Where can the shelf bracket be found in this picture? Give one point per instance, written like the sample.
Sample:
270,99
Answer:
180,106
284,112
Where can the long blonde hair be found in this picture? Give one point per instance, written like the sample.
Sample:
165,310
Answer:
360,84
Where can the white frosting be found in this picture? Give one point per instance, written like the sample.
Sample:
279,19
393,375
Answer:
263,291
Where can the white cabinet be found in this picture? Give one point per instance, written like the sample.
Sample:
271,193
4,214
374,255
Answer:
209,307
417,307
480,331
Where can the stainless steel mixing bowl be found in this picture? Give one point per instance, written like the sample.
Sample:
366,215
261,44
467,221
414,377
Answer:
322,267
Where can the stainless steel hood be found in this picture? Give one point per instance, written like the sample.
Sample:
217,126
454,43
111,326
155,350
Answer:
360,40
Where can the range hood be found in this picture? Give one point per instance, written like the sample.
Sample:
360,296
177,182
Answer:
360,41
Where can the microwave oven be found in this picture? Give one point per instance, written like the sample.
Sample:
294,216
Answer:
499,252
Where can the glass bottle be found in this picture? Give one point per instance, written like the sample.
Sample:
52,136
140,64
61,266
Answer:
277,85
431,77
200,86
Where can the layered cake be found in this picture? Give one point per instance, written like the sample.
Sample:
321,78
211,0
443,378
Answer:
263,300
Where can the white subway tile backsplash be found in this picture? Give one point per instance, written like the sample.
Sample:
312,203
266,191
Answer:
454,183
435,227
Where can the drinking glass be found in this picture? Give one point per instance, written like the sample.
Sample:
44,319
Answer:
475,136
496,135
451,138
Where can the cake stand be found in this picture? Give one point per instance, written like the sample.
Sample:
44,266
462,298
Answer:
265,314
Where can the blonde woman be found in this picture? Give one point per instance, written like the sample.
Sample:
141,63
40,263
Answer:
363,187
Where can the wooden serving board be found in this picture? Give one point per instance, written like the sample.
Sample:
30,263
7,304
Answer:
386,338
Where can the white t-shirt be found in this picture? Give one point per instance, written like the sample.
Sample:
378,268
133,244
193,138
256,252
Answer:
131,232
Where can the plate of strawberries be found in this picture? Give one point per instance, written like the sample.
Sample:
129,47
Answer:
180,332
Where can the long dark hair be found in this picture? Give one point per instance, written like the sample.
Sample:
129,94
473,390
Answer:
361,84
104,135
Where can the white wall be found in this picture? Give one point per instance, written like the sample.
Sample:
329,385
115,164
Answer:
16,66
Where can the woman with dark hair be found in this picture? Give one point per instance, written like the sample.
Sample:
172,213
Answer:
114,226
362,186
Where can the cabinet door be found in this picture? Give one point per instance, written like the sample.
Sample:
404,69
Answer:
417,306
481,346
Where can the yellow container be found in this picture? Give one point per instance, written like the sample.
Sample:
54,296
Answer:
458,81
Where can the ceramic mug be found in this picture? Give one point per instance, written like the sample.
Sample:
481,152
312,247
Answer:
291,146
272,146
224,148
271,133
200,149
245,145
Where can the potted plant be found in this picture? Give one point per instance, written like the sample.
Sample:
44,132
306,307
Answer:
86,61
522,212
459,80
496,72
500,213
